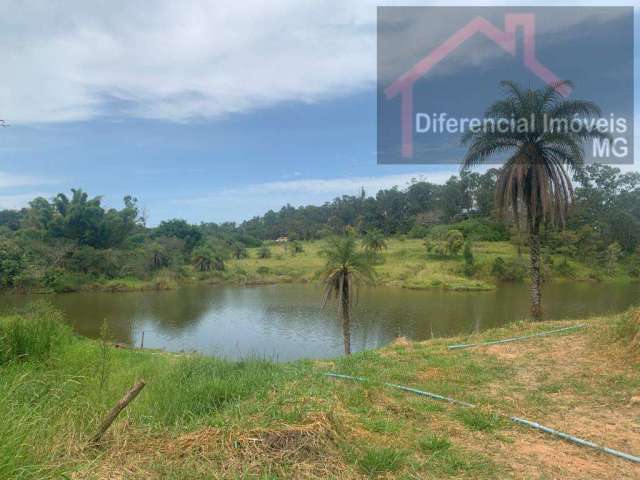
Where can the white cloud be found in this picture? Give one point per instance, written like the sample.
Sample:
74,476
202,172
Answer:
173,60
243,202
170,60
11,185
13,180
311,188
17,201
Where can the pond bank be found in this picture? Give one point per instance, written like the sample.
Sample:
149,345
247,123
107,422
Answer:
203,417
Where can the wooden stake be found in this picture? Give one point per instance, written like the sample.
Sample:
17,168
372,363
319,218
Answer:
115,411
142,340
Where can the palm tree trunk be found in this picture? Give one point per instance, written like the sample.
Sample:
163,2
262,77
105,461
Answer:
536,274
346,316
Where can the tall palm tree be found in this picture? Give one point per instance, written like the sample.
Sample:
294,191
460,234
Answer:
535,176
347,267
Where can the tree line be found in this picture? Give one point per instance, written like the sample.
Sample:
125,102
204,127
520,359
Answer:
76,234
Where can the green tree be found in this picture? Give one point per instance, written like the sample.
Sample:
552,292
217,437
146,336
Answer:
178,228
469,259
346,268
11,262
614,252
534,177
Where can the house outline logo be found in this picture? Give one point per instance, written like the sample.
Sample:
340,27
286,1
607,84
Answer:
506,39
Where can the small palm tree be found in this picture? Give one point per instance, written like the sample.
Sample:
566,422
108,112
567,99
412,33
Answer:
203,259
347,267
535,176
374,242
159,256
264,252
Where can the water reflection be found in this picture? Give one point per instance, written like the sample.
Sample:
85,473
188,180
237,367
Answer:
285,321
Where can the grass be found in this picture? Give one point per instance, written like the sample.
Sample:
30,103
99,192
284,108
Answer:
478,420
202,417
33,334
434,443
405,263
376,461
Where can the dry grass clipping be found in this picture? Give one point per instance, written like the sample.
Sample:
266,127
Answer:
292,451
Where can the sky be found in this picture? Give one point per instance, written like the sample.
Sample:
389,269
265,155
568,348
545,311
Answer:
203,110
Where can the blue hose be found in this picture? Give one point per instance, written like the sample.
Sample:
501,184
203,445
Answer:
518,420
514,339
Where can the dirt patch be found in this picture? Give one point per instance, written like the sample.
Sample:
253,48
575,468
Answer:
532,457
570,373
429,373
402,342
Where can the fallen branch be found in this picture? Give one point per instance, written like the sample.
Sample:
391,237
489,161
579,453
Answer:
115,411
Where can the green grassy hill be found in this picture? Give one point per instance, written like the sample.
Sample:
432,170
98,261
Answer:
406,263
203,417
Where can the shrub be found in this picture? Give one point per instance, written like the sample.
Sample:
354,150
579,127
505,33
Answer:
614,252
11,263
264,252
565,268
627,329
296,247
418,231
238,251
60,281
262,270
511,270
455,241
32,334
476,229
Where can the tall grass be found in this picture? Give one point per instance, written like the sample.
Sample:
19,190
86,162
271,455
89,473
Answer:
196,387
626,329
54,390
32,334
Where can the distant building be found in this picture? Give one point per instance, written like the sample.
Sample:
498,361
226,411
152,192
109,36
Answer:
282,239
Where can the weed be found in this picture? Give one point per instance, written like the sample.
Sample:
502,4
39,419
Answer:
376,461
434,443
479,420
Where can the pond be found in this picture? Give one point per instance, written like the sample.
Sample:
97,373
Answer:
285,322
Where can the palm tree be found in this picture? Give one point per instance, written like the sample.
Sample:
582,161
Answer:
203,259
374,242
346,268
535,176
159,256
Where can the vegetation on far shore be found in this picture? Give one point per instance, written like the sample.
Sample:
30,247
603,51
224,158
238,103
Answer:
438,236
406,263
203,417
